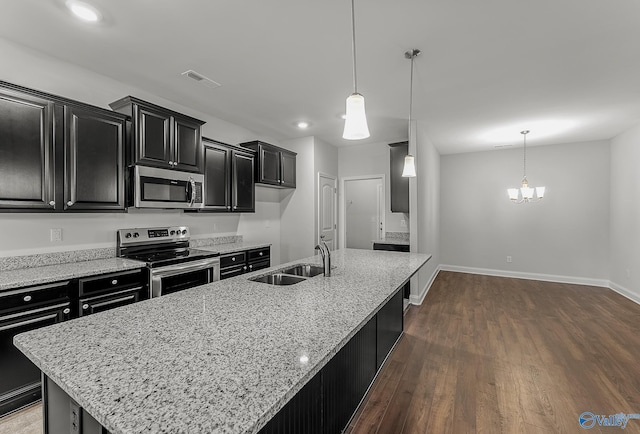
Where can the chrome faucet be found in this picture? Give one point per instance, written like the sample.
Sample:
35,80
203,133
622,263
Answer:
326,257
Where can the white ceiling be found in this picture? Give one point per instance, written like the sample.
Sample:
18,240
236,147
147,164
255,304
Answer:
567,70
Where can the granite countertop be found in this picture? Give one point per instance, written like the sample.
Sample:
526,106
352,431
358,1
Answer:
219,358
233,247
396,241
21,277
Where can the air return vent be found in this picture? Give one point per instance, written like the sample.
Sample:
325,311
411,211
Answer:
196,76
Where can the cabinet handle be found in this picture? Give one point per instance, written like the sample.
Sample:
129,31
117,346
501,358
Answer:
279,182
261,253
27,298
66,311
233,259
52,203
170,163
85,306
235,207
114,282
69,203
244,268
228,207
250,267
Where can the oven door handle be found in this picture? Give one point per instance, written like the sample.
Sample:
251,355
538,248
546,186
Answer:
172,270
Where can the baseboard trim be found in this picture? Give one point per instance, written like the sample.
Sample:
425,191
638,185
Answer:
417,299
529,276
626,293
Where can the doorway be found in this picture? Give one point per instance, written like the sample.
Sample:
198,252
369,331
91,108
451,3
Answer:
363,214
327,210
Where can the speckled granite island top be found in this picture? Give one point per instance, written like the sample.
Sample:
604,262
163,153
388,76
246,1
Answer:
219,358
54,273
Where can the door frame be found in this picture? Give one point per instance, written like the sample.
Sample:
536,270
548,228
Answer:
335,207
342,223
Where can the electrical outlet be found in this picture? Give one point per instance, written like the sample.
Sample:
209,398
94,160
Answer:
403,223
509,259
56,234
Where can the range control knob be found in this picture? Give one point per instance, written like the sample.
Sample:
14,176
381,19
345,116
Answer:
136,235
184,232
172,232
128,235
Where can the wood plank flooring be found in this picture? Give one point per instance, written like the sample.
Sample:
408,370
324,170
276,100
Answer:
497,355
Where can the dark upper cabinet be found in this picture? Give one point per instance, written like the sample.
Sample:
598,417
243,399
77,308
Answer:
276,166
26,151
399,186
228,178
242,184
162,137
94,159
59,155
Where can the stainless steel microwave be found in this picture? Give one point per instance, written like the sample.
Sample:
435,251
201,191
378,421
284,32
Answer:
165,188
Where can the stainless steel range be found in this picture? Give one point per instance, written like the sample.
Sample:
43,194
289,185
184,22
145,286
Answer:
172,264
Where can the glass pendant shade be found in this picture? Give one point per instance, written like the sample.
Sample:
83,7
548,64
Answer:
540,192
409,170
355,124
513,193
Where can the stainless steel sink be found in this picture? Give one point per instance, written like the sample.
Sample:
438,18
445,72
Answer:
306,270
279,279
290,276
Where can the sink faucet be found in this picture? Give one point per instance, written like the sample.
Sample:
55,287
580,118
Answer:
326,257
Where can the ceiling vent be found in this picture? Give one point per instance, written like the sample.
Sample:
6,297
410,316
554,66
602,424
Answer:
196,76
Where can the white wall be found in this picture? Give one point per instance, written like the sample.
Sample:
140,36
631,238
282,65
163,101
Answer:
625,213
30,232
297,206
564,235
372,159
424,193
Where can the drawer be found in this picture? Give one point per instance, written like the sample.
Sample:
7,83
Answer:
233,259
232,271
259,265
112,282
33,296
258,254
87,306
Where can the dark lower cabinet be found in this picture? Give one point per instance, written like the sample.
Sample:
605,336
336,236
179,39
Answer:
328,401
237,263
62,415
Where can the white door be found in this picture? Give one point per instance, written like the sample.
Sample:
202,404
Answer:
363,211
327,207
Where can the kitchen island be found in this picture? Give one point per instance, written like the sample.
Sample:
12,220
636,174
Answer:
219,358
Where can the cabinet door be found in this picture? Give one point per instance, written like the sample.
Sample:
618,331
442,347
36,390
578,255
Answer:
153,137
217,165
94,160
269,166
288,169
389,326
26,151
242,185
187,141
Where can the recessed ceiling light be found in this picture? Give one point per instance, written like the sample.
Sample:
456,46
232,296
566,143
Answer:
303,125
84,11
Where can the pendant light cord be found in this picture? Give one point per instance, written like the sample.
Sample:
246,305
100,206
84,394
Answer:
524,158
353,45
411,93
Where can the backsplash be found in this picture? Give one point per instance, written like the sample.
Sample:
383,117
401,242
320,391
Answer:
400,236
54,258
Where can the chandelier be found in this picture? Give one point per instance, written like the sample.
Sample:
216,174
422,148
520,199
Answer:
525,194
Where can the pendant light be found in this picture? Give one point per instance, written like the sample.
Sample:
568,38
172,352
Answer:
355,124
409,170
525,194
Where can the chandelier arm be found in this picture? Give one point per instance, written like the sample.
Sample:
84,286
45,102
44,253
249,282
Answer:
353,45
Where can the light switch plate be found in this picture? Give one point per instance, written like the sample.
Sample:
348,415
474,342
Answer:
56,234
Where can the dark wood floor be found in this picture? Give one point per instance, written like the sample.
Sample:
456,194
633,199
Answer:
498,355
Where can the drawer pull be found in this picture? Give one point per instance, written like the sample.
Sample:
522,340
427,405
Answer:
114,282
261,253
244,268
70,203
27,298
66,311
85,306
233,259
250,267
